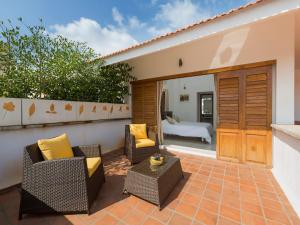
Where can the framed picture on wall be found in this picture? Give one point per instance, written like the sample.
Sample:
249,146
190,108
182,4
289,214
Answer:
184,98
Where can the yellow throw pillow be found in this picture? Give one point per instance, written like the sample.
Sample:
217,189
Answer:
138,130
93,164
56,148
142,143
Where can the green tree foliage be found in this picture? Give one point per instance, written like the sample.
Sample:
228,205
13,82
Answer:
4,59
34,64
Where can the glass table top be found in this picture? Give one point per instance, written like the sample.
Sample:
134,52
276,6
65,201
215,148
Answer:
147,169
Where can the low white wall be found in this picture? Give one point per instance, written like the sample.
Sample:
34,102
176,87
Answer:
18,111
286,166
110,134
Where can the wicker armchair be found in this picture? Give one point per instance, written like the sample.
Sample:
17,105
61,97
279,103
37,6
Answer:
136,155
59,186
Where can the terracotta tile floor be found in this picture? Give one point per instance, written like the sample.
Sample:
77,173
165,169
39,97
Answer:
212,192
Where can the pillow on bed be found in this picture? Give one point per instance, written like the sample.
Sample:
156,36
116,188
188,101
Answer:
171,120
177,119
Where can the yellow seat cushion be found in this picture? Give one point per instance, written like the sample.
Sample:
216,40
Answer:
139,131
56,148
141,143
93,164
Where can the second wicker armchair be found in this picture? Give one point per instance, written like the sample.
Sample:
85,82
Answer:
135,150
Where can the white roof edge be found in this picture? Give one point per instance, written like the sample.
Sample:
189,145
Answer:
243,17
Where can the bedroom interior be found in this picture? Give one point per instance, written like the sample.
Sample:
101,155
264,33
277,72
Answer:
188,113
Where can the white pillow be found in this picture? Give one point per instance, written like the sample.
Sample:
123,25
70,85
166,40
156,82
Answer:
171,120
177,119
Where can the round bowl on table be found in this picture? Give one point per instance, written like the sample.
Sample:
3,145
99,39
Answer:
156,162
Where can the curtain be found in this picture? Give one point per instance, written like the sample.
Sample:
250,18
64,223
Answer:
159,95
166,100
215,101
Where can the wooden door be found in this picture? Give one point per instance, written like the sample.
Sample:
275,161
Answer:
144,103
257,132
245,115
137,104
228,107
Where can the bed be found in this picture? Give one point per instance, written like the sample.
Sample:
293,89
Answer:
188,129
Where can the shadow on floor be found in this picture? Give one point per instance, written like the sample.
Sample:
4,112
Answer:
115,165
177,190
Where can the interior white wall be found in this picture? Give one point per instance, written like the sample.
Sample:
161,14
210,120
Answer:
297,95
188,110
109,134
269,39
286,166
297,66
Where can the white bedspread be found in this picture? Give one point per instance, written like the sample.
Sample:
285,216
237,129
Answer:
188,129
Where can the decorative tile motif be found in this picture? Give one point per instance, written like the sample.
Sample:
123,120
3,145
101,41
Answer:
51,109
9,106
92,111
68,107
81,109
34,111
10,111
31,109
119,111
47,111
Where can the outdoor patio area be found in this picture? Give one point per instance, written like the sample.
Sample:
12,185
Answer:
212,192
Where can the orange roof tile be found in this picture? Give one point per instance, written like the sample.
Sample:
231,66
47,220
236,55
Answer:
182,29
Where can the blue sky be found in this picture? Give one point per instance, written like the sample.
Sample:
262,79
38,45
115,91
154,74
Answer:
110,25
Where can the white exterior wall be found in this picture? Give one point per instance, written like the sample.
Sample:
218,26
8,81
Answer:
269,39
110,134
187,110
286,150
286,166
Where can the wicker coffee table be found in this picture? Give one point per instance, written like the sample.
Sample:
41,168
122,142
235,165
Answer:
153,184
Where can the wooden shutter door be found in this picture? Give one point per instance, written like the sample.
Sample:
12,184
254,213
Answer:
137,104
245,115
150,103
257,134
144,103
228,98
